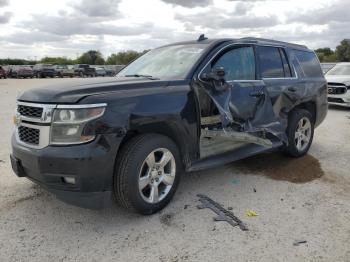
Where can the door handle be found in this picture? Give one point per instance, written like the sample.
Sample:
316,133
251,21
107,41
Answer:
292,89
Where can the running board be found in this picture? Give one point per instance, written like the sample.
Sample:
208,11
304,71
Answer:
237,154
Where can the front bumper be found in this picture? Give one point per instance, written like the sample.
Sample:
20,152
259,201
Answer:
91,165
340,100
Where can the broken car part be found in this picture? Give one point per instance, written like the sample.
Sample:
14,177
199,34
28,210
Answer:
222,213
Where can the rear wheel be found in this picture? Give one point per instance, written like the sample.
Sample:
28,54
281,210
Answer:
300,133
147,173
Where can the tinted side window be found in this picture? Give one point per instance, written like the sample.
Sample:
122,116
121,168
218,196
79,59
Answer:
309,63
270,62
286,66
238,63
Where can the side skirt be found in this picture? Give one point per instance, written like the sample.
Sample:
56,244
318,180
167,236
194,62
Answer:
237,154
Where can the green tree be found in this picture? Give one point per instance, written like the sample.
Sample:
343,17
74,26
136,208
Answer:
326,54
15,61
124,57
326,51
57,61
343,51
91,57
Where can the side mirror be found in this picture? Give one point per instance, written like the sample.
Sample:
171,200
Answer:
217,74
217,78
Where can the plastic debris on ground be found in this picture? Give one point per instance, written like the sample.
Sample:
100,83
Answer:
251,213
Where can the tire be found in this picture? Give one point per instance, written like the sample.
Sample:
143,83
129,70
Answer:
299,145
133,183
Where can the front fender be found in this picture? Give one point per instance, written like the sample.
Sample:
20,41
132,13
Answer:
170,111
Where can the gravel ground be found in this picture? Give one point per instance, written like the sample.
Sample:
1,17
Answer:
303,199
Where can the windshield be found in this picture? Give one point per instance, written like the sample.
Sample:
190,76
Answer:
170,62
339,70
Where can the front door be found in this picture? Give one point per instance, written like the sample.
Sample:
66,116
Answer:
239,109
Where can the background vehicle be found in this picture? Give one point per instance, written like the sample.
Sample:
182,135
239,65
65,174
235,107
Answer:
182,107
327,66
100,71
64,70
339,85
3,73
21,72
44,70
112,70
84,70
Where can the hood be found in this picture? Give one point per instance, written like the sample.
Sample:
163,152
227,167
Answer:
69,92
338,79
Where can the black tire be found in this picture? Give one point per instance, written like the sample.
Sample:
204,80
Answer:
128,167
294,118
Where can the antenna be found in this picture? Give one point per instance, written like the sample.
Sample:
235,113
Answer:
202,38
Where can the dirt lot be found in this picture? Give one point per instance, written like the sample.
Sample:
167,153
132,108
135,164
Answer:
305,199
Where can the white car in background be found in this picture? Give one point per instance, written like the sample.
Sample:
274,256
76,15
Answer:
338,79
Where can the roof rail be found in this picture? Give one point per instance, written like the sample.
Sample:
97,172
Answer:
255,40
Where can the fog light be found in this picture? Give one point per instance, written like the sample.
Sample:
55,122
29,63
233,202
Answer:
69,180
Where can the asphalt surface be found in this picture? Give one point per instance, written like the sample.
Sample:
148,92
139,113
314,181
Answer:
302,204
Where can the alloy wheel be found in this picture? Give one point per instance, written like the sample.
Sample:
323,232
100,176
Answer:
157,175
302,134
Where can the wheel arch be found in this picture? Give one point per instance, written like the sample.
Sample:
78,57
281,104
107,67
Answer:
310,106
168,129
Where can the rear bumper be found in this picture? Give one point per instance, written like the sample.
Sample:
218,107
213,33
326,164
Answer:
91,165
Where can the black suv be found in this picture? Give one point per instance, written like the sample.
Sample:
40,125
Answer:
181,107
84,70
44,70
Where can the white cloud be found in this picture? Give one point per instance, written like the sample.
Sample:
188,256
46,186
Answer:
70,27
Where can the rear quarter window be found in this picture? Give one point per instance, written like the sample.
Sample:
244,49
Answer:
271,65
309,63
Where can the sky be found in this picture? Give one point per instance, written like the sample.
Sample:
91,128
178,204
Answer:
32,29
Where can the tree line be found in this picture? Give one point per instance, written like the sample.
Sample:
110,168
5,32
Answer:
340,54
93,57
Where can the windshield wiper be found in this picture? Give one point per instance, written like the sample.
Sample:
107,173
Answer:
145,76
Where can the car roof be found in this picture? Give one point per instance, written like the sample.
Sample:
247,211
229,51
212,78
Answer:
244,40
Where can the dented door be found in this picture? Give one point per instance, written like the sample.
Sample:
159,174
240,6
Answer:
242,100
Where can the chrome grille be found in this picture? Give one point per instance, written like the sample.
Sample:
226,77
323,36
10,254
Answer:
29,135
30,111
33,124
337,88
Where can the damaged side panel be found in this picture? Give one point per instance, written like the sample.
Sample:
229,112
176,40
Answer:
246,111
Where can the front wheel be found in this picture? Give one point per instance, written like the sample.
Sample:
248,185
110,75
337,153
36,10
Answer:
300,133
147,173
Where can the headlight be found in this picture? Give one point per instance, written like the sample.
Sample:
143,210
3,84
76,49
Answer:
68,123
